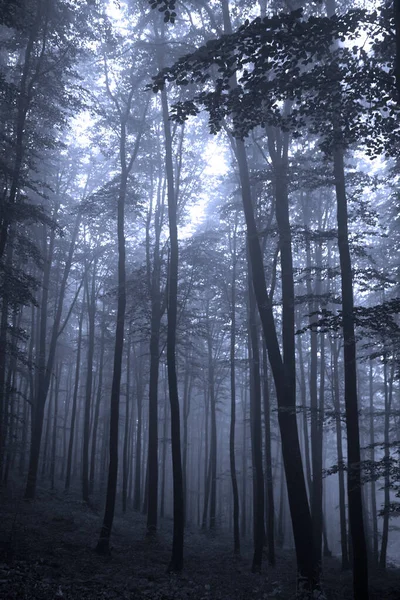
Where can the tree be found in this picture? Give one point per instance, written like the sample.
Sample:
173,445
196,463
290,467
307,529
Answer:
123,106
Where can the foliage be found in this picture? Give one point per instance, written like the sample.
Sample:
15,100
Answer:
334,90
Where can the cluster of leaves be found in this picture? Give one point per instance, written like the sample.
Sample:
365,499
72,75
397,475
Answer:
380,318
167,7
343,94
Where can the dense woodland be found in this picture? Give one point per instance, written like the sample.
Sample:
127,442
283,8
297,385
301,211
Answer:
199,291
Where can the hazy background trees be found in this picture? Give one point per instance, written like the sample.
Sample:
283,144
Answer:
130,272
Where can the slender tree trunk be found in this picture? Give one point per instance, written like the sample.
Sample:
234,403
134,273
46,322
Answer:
232,461
339,445
206,461
213,422
47,426
91,306
164,456
152,490
45,367
125,455
137,493
256,434
186,410
282,371
176,563
375,550
74,402
388,383
316,437
269,484
243,521
304,412
43,378
360,558
103,545
97,407
58,374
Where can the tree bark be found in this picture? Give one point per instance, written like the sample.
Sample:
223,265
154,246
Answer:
256,434
269,484
232,459
360,558
283,376
103,545
74,402
91,307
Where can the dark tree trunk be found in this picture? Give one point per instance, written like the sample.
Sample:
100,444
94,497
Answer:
339,445
243,520
137,491
232,461
176,563
283,372
125,454
206,462
388,383
269,484
375,551
43,378
360,558
91,306
164,455
213,422
74,402
45,367
58,374
304,411
152,462
316,432
186,410
97,407
256,434
103,545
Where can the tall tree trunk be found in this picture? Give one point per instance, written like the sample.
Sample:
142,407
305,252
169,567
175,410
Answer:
304,411
125,454
53,458
176,563
341,465
45,367
256,434
74,401
243,520
316,437
206,461
42,382
375,551
269,484
164,455
360,558
152,462
137,491
213,421
388,383
232,461
103,545
91,307
97,407
187,385
282,372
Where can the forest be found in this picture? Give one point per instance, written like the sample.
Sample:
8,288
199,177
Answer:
199,299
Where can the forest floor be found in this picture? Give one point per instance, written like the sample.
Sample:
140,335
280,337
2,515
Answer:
47,553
